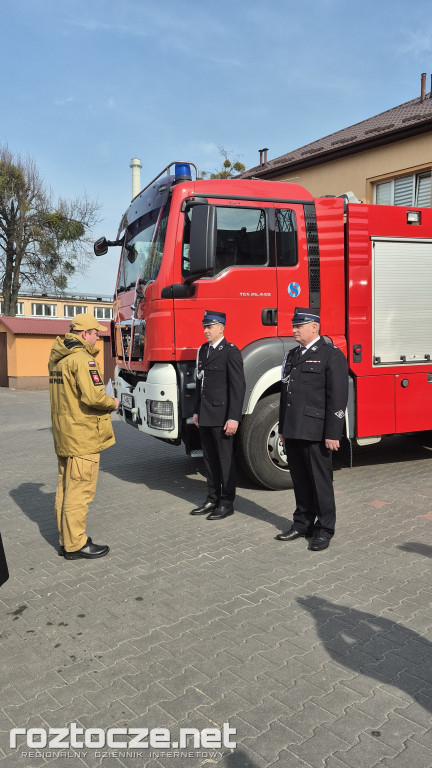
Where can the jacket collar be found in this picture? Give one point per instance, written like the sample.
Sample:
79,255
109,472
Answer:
90,348
203,356
313,350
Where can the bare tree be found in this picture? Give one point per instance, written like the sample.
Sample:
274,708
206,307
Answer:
42,243
230,168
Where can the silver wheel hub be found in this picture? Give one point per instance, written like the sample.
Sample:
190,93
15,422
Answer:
276,449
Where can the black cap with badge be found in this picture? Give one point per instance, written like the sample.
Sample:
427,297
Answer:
210,317
303,315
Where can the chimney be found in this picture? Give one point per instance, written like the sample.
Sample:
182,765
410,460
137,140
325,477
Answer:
263,156
136,166
423,86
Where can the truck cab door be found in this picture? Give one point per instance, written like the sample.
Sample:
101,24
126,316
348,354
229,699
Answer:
291,258
243,281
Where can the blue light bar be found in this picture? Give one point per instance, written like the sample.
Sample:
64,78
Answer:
182,172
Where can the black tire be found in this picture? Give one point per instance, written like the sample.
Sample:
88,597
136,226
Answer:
261,452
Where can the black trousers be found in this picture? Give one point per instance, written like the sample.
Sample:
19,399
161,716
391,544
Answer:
219,465
310,464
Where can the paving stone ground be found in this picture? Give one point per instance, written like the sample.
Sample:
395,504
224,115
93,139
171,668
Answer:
318,660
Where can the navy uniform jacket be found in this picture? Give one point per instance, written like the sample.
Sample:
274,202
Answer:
313,402
219,393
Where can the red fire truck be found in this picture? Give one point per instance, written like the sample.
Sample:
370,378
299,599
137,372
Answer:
255,250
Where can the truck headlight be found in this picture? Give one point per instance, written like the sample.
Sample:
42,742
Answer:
160,414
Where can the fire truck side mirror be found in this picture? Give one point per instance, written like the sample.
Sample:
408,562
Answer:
101,247
203,237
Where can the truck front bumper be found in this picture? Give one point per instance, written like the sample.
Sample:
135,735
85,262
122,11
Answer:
151,405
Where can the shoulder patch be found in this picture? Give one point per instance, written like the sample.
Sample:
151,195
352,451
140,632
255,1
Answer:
97,381
92,364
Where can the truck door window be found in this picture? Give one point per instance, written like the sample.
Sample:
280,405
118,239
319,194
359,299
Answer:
242,238
285,237
137,252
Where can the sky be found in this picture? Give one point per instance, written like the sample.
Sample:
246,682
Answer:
89,84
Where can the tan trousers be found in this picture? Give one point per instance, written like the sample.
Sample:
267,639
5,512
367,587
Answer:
77,480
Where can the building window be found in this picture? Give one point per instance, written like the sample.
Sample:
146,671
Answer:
44,310
103,313
407,190
19,307
70,310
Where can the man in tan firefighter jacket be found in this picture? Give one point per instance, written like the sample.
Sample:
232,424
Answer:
80,412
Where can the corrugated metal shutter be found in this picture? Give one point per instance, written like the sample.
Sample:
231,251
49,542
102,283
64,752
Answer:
423,196
402,275
403,191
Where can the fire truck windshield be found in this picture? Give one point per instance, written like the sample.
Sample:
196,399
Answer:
141,256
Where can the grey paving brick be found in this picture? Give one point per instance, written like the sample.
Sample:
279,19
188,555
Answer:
319,747
339,699
22,713
185,704
306,719
267,744
287,759
368,753
413,754
260,717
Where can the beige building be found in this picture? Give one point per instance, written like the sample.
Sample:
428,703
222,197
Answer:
386,159
26,340
35,304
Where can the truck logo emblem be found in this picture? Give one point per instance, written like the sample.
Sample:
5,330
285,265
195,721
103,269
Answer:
294,290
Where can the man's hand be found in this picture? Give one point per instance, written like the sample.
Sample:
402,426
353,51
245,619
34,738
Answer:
195,419
231,427
332,445
282,439
117,403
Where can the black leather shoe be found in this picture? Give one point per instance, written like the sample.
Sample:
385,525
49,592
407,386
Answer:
291,535
204,509
318,543
220,512
89,550
61,552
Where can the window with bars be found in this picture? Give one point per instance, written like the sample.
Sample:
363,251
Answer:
44,310
103,313
406,190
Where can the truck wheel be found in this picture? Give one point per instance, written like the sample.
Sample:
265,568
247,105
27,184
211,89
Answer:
261,452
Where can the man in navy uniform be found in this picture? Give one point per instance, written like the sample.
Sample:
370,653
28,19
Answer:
313,400
220,389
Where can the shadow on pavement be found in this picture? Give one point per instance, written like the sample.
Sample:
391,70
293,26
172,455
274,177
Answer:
169,469
394,448
417,547
373,646
39,507
239,759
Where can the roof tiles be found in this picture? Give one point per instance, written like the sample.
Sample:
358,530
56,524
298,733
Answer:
41,326
411,115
